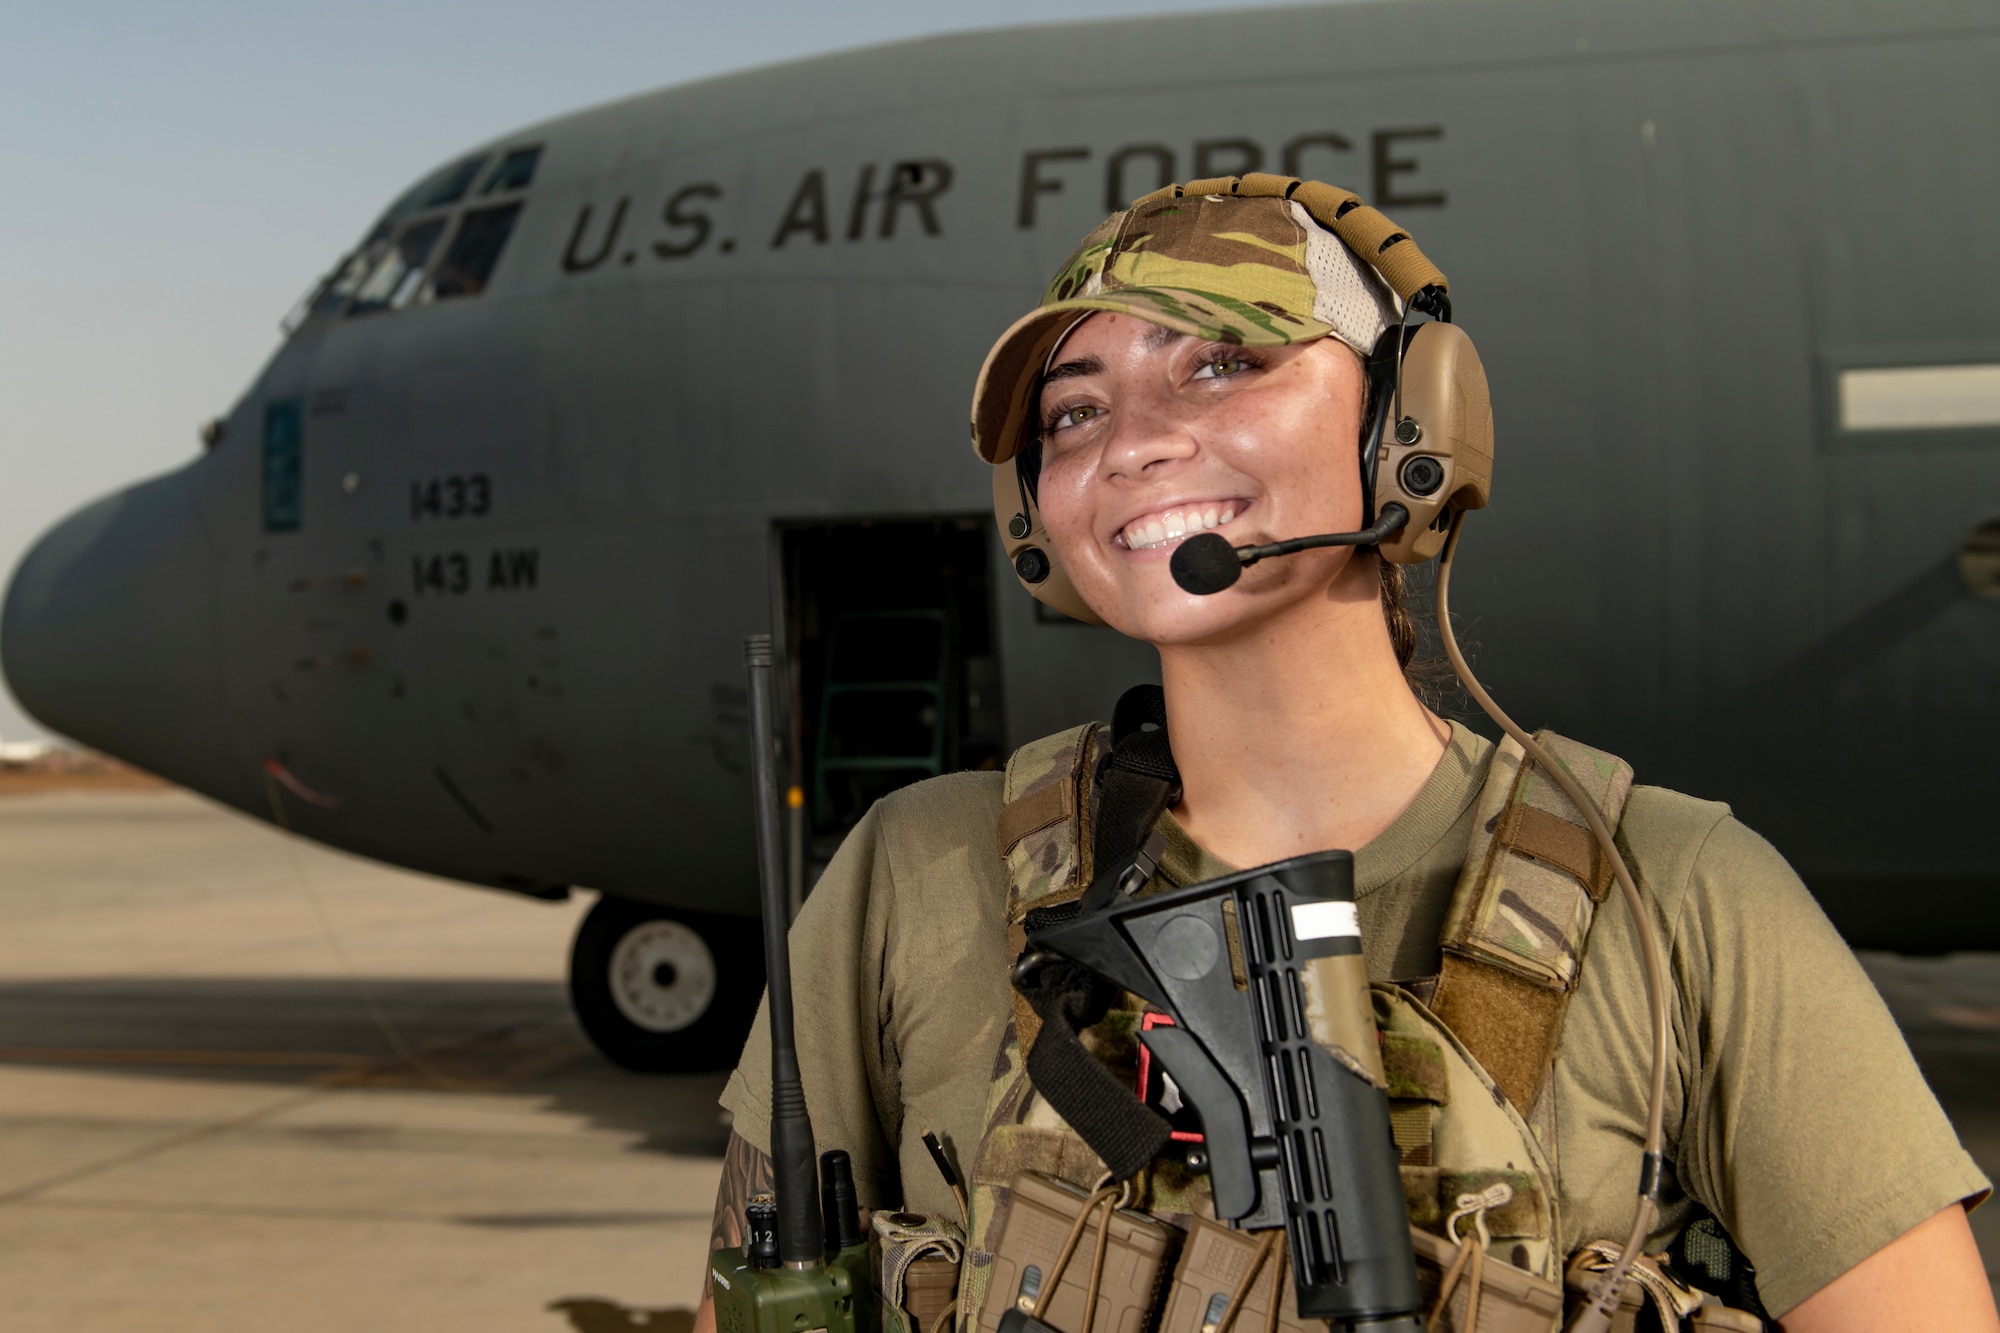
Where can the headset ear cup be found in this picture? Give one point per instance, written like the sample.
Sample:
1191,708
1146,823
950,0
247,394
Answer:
1029,550
1438,458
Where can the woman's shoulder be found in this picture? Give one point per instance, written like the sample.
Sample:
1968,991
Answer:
1666,831
930,843
1685,847
950,799
940,817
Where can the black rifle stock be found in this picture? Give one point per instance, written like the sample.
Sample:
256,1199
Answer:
1274,1044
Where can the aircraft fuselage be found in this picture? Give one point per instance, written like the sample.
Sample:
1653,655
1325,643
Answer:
472,567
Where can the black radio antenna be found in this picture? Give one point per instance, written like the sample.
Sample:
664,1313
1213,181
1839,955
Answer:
800,1242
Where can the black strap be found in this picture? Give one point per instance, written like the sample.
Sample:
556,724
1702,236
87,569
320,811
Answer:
1135,782
1119,1128
1138,709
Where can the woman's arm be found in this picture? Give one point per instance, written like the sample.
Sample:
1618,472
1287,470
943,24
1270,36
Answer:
1928,1279
746,1173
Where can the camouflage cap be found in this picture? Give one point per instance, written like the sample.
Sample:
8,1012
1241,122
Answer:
1255,271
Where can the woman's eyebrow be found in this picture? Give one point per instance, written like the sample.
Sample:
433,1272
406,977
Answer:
1072,369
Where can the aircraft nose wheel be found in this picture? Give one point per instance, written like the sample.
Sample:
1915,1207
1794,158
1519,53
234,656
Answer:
660,991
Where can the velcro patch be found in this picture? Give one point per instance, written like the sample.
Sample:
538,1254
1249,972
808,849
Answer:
1415,1068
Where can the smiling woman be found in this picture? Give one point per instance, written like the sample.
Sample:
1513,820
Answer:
1223,364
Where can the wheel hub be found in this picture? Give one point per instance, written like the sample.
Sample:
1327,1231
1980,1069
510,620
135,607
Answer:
662,976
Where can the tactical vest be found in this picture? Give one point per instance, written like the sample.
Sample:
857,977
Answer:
1467,1063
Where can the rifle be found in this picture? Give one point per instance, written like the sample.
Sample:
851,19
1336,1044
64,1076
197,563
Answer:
1273,1042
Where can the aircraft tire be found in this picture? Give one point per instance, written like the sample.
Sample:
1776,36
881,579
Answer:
660,991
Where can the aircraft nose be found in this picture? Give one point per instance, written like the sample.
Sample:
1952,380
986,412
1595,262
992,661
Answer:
107,635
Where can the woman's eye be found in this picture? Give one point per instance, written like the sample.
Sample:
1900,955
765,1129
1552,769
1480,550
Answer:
1222,367
1073,416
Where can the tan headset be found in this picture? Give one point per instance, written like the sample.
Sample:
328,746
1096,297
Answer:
1436,460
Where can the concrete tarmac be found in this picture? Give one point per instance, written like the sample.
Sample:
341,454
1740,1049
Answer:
251,1084
209,1121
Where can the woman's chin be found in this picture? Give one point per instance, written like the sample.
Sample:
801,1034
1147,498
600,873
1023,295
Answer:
1152,607
1173,619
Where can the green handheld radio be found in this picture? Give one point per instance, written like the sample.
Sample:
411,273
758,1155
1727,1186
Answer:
800,1270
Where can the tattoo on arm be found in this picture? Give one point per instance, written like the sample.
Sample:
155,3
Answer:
746,1173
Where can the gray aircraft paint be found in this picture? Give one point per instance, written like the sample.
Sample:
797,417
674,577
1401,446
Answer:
726,305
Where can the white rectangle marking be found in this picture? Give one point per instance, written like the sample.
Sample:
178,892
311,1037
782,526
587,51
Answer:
1920,397
1321,921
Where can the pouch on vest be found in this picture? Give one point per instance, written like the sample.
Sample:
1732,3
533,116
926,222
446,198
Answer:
1655,1298
1226,1278
1495,1298
1456,1136
1055,1238
916,1257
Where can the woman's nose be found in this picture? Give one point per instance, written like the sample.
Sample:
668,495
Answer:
1148,433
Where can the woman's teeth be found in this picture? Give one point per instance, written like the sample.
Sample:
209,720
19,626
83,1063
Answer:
1159,529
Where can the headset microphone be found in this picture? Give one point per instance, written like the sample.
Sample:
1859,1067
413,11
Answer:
1206,563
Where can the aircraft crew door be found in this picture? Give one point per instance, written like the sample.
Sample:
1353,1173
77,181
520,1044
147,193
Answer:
888,635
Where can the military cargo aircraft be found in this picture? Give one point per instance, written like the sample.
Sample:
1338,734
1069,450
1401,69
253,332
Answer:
463,575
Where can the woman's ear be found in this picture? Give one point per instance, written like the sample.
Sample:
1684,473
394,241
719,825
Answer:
1025,539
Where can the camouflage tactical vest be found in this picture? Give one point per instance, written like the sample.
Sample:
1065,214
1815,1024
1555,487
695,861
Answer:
1463,1093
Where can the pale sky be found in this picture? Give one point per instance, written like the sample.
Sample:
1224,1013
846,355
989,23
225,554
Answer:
176,175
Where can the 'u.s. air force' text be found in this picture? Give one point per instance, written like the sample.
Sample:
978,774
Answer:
880,201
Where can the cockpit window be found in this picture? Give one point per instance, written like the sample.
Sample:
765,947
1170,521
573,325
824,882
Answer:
452,185
348,277
387,271
475,252
400,269
441,189
333,293
514,171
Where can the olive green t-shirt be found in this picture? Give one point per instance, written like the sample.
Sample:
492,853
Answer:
1794,1110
